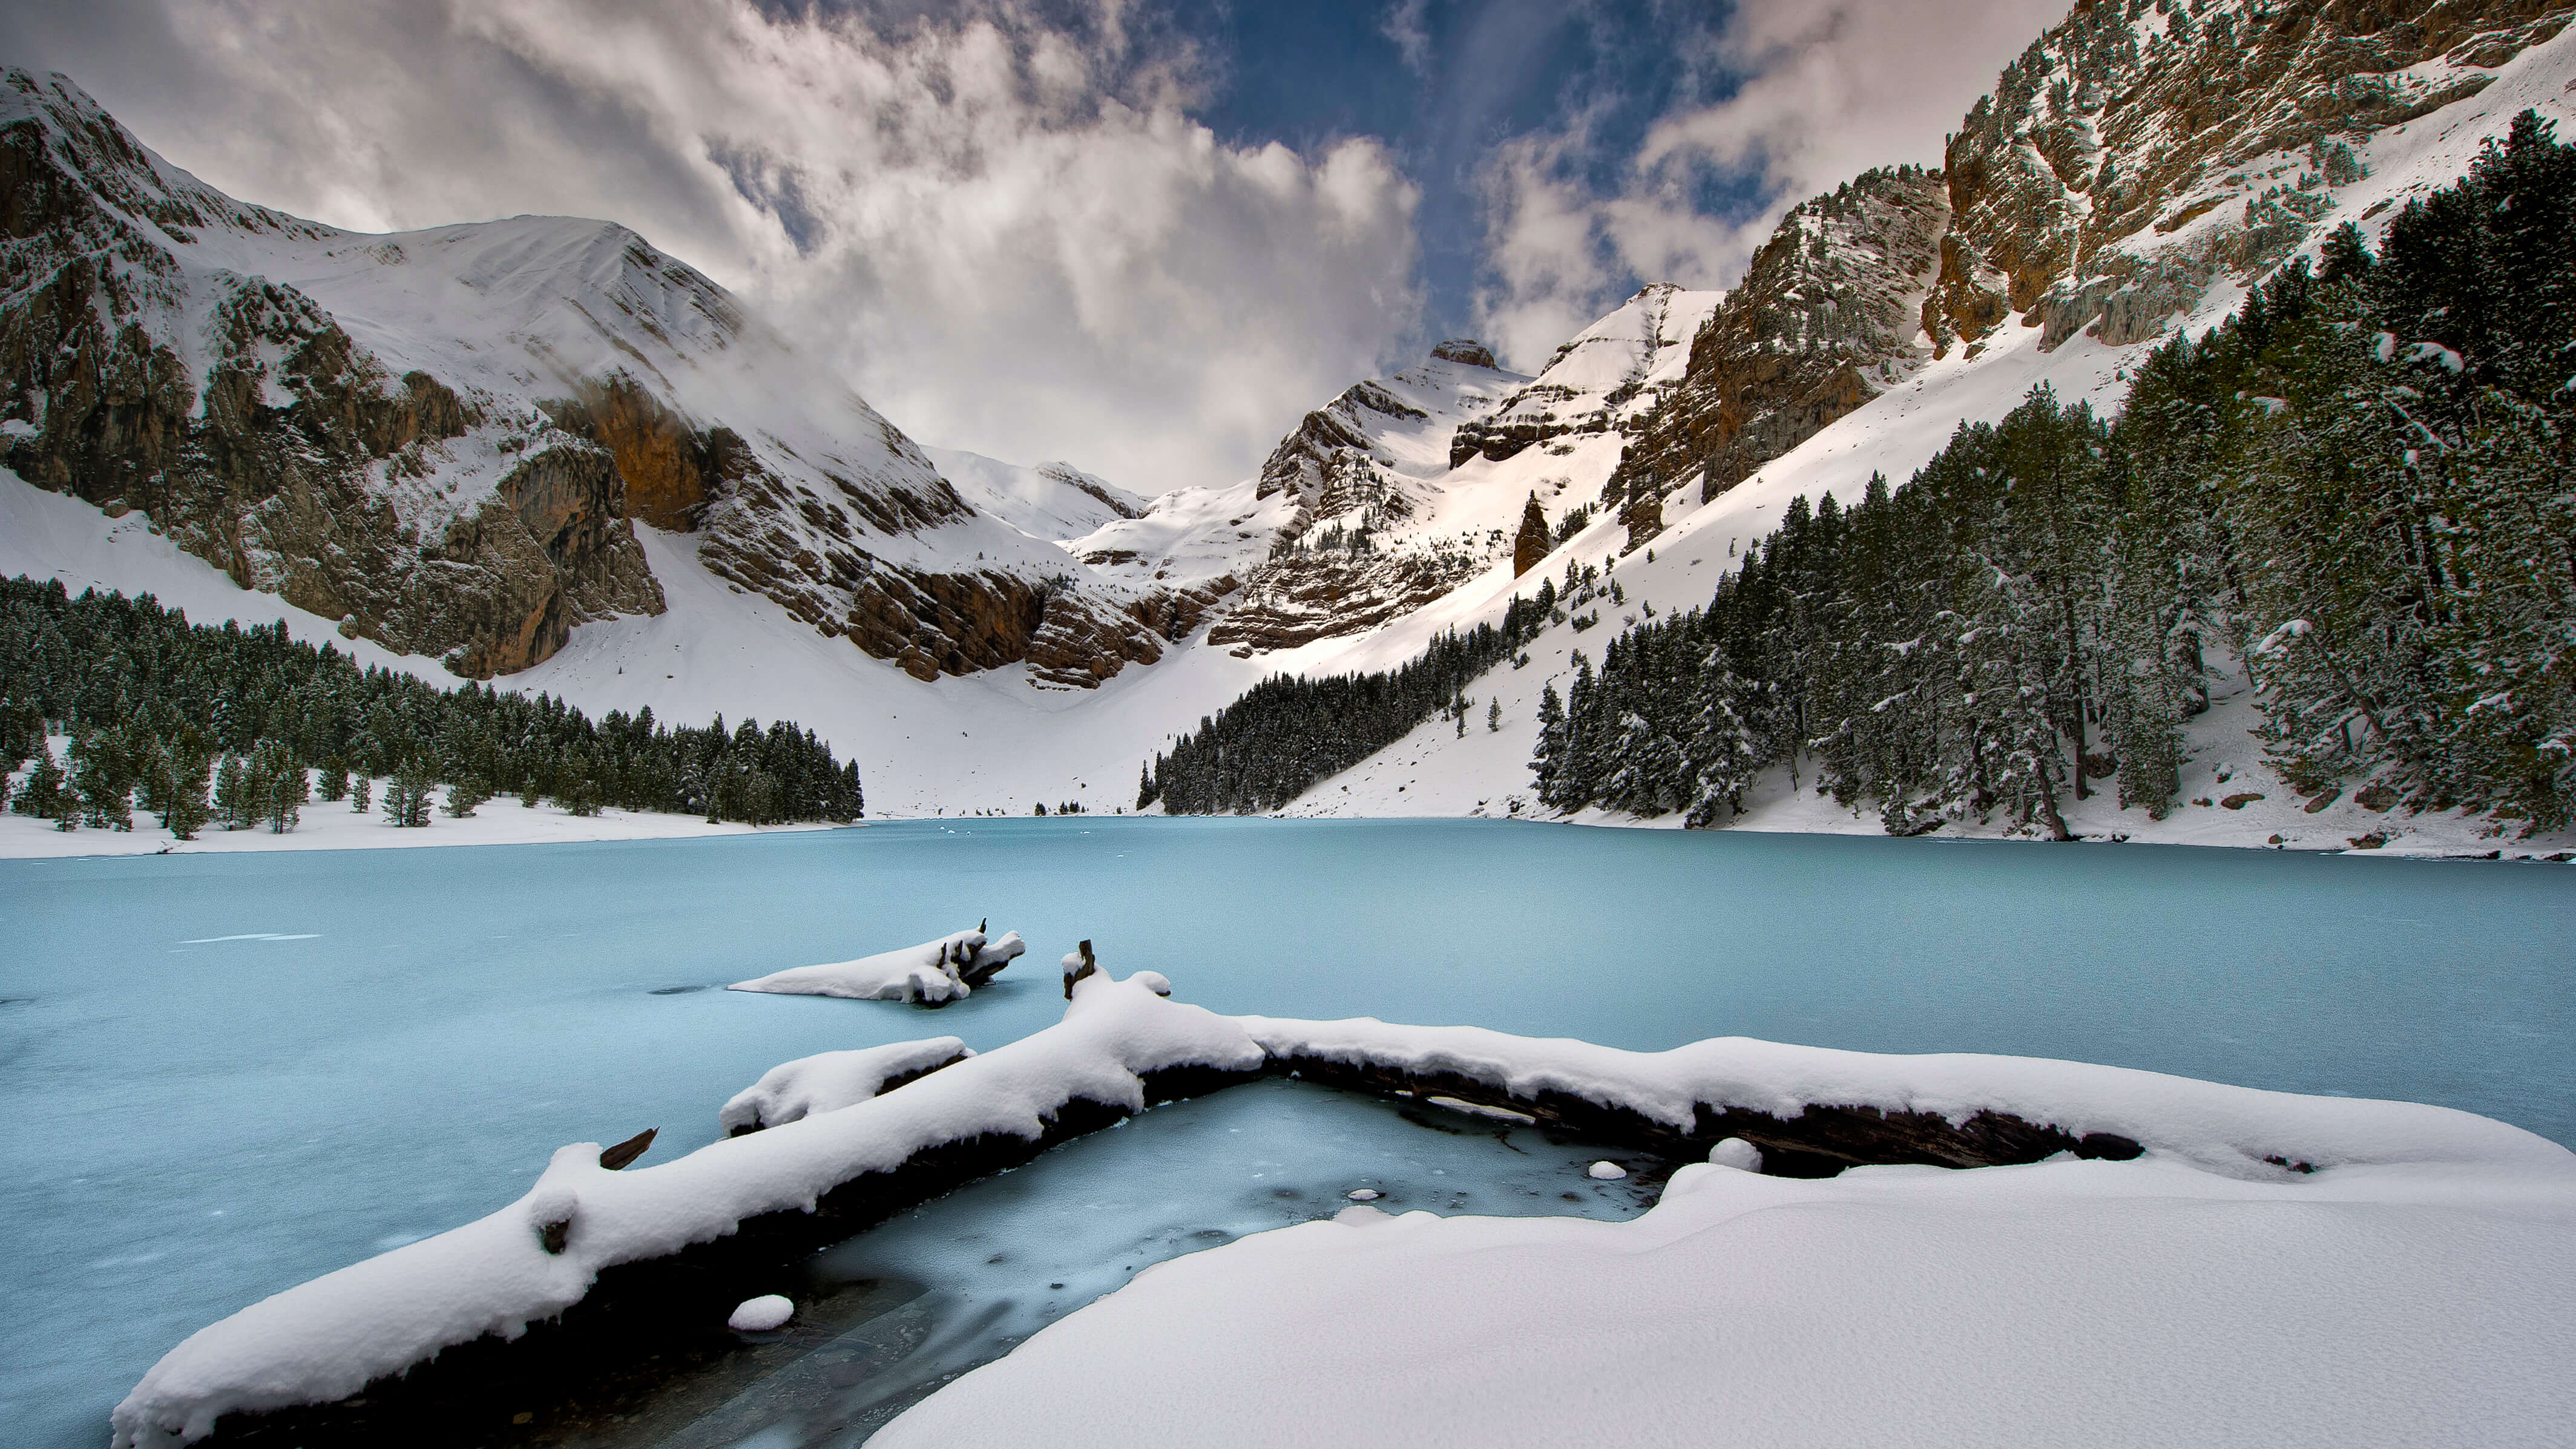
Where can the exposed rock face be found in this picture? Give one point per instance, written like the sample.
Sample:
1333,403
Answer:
672,471
284,454
2133,155
1467,350
2129,157
1824,320
1530,544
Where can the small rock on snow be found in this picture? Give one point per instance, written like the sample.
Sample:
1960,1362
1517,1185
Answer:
759,1315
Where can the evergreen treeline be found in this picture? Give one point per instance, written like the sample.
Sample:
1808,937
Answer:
2362,486
1285,733
156,708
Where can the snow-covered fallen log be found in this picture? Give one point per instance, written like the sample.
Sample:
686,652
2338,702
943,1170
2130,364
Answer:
732,1216
933,973
829,1081
1649,1315
1813,1110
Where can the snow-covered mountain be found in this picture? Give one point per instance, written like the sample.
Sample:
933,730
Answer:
2277,189
442,438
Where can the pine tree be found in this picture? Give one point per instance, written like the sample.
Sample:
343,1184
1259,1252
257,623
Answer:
463,795
362,795
234,807
288,788
407,797
335,779
41,794
1548,764
98,780
181,788
1494,715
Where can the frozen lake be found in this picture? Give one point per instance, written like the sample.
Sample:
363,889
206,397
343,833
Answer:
227,1074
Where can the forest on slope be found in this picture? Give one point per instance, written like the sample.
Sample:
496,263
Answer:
2359,486
159,711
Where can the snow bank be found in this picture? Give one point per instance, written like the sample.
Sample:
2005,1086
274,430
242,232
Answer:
933,973
829,1081
2102,1304
325,1340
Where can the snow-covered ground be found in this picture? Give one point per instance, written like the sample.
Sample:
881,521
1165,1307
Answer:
2269,1268
2065,1303
324,1340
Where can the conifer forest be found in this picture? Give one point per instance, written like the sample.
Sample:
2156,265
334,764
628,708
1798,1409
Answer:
234,727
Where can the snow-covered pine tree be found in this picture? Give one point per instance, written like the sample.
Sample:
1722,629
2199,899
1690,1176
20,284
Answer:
41,793
234,807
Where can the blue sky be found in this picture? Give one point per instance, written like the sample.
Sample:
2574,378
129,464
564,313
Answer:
1480,74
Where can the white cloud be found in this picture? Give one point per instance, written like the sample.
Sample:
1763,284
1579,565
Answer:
1403,25
1006,234
1829,89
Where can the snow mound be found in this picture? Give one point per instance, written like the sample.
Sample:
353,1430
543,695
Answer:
2104,1304
759,1315
1737,1153
2394,1273
1605,1171
807,1086
933,973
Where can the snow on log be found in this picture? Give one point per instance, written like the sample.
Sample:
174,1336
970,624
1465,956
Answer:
793,1091
933,973
325,1340
1811,1111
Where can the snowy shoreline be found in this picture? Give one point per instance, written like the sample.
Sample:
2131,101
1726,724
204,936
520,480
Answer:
596,1261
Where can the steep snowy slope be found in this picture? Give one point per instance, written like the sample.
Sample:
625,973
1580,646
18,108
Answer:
1435,772
1052,501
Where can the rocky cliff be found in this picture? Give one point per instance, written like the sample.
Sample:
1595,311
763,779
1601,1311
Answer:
142,373
1352,485
1824,320
2137,154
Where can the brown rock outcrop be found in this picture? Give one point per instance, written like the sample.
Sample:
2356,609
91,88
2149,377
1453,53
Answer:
1824,321
672,471
2095,144
1531,544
